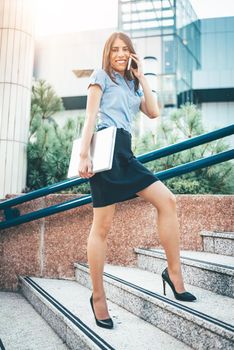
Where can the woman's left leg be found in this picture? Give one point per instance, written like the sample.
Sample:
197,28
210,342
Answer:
168,227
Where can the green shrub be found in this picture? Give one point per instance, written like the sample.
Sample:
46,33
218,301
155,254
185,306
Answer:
185,123
49,146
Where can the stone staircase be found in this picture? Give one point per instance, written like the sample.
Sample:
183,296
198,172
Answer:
144,318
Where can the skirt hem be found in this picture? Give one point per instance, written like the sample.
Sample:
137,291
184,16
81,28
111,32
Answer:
130,196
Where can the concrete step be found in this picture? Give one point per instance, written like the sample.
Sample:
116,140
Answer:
65,305
210,271
218,242
205,324
22,328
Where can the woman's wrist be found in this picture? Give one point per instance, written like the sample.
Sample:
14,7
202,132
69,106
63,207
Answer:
83,155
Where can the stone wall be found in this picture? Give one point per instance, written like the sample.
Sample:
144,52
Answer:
49,247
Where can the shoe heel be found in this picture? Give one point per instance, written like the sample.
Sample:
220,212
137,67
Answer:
164,287
107,323
184,296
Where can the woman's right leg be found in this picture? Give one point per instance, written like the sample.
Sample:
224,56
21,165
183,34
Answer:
96,251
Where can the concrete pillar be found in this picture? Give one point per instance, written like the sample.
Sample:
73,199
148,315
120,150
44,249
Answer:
16,68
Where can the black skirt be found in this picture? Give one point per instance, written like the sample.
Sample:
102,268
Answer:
126,177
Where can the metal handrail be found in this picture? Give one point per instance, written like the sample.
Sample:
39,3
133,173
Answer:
187,144
147,157
162,175
77,202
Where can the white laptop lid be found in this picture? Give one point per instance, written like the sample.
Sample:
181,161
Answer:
101,151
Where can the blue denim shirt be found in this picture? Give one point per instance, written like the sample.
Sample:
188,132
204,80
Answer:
119,103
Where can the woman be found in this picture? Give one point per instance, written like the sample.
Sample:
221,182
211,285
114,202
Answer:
114,92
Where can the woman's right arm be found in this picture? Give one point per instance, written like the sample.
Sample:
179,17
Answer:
93,103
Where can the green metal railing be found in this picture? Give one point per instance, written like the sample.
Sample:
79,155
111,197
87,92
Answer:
13,217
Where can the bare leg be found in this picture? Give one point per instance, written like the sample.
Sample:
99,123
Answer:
165,202
96,251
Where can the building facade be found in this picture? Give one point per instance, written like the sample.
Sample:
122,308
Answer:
213,83
194,57
172,31
185,59
166,34
179,53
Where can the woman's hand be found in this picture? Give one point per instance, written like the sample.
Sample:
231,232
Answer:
85,167
138,72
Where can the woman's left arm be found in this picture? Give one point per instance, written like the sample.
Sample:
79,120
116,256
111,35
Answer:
149,105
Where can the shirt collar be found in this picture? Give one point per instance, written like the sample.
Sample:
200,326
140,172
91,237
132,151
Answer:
115,73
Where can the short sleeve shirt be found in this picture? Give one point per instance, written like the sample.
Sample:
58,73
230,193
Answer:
119,102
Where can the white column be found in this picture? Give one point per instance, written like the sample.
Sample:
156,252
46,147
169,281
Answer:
16,68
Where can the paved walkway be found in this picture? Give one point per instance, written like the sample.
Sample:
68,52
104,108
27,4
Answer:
22,328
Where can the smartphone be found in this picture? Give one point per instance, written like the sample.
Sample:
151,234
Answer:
131,63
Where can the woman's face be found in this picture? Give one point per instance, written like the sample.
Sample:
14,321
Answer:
119,56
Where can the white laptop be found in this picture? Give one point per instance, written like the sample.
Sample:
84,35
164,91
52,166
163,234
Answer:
101,151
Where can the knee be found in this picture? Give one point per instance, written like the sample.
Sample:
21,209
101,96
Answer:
168,203
102,229
171,201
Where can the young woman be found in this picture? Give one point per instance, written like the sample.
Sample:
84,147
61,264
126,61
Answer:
115,96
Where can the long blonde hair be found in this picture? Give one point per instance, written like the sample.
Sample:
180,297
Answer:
106,56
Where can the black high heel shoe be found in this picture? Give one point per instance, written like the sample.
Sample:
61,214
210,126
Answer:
185,296
107,323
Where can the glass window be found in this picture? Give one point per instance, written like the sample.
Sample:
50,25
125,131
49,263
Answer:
169,55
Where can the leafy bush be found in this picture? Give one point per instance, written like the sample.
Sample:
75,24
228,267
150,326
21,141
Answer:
49,146
185,123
